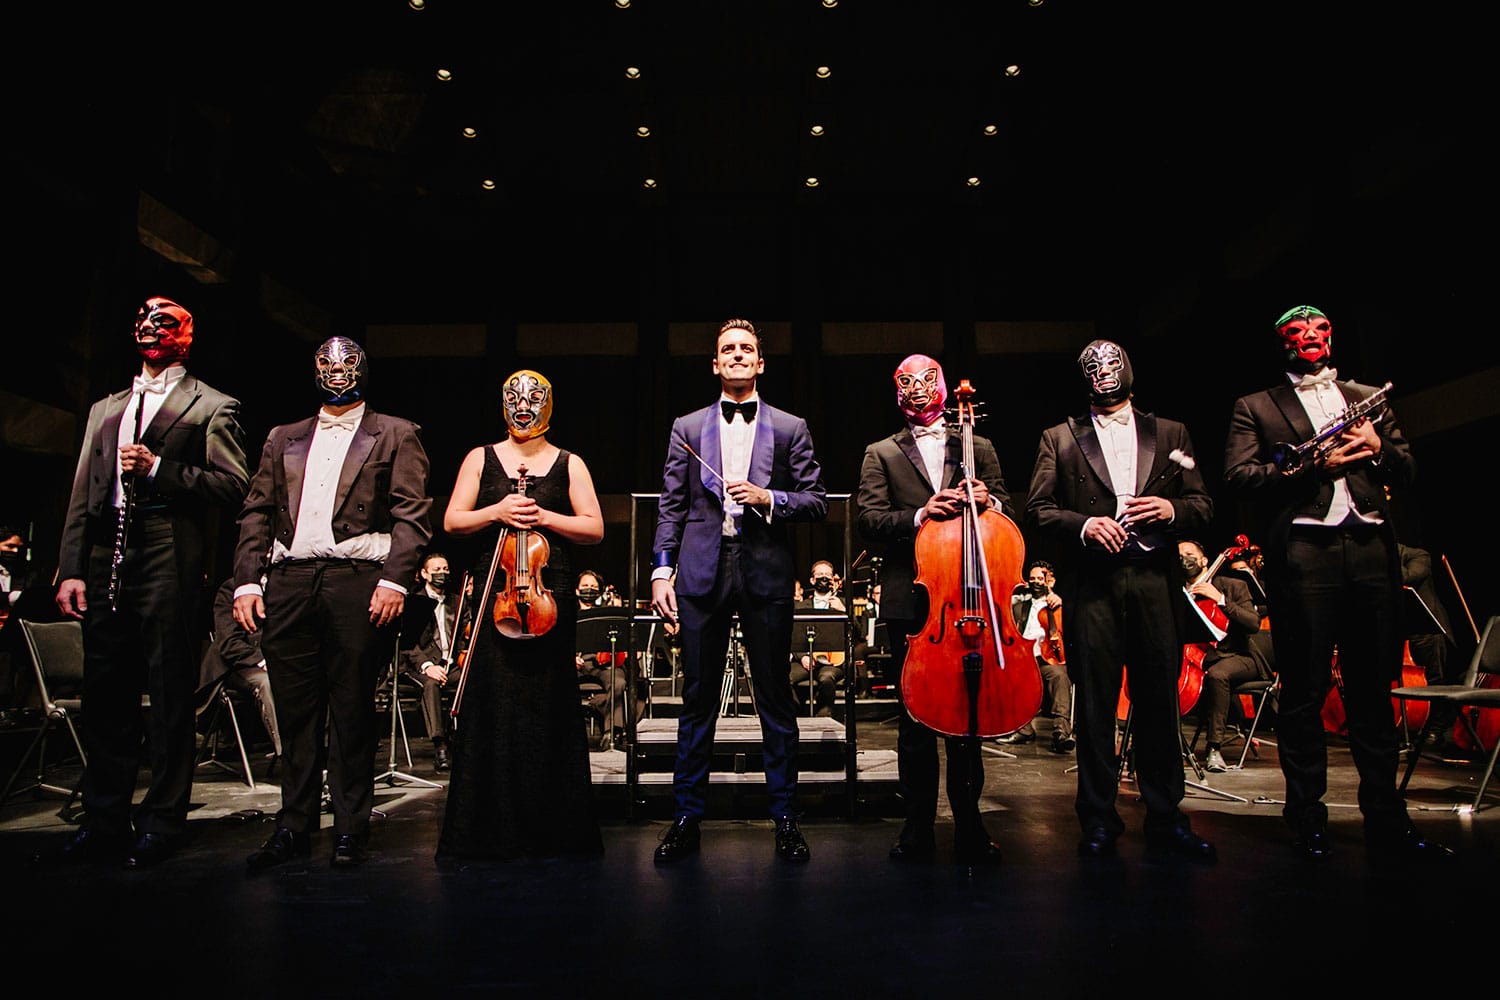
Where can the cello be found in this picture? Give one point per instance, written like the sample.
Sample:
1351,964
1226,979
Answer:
1472,722
968,672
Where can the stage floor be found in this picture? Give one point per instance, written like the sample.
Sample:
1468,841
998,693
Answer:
735,920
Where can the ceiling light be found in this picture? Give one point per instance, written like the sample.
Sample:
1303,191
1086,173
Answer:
643,131
470,132
1034,3
973,182
622,4
631,73
811,182
823,72
991,130
417,4
1012,70
649,182
444,75
487,184
816,130
830,4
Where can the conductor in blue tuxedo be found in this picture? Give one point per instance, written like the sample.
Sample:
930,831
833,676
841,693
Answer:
737,472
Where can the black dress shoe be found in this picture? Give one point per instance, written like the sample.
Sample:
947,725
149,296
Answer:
1063,743
1407,848
440,757
281,847
1182,842
349,851
1314,844
1096,843
680,840
974,847
1020,736
150,849
83,847
910,849
790,844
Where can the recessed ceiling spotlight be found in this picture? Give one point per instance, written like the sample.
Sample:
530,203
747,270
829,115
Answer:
487,184
470,132
973,182
417,4
991,130
811,182
830,4
444,75
823,72
632,73
816,130
1034,3
643,131
1012,70
622,4
649,182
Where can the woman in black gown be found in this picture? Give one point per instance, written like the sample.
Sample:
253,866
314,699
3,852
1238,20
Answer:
520,784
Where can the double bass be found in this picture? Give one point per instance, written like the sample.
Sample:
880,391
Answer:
968,672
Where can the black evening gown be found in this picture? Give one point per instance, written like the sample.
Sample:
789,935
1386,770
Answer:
520,783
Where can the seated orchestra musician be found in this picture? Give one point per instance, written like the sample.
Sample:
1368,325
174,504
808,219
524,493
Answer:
1240,654
431,639
1037,610
826,666
615,692
235,655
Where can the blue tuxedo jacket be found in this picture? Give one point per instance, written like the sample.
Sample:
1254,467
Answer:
690,512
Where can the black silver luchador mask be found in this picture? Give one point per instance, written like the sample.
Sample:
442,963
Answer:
1106,367
341,371
526,398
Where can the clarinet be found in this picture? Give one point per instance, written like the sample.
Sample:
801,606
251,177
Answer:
122,523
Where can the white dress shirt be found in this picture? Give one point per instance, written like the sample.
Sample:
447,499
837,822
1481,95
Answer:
152,401
445,641
932,445
1323,403
736,446
1117,440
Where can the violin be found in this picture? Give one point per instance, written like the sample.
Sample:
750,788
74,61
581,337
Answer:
524,608
1050,646
968,672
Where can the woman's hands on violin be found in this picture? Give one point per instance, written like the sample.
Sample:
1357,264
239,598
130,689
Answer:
518,512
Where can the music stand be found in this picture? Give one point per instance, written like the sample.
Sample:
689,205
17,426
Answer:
600,629
392,774
1257,591
820,636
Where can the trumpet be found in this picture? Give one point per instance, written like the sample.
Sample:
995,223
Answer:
1291,459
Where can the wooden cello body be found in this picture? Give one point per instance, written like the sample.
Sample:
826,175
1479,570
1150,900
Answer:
968,672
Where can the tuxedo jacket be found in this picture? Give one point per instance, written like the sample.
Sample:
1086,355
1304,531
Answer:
893,486
202,448
1070,483
233,648
1244,620
1261,420
690,511
419,633
382,488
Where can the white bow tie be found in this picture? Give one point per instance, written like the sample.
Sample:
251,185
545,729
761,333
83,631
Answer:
1324,377
1120,416
143,384
935,430
344,422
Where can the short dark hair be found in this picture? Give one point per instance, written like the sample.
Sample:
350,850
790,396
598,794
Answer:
1042,563
737,324
590,572
429,557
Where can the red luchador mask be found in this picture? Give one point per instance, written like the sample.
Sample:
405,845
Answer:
1307,338
163,331
921,390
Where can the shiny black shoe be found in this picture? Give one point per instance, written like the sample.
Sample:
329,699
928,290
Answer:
1315,844
1063,743
83,847
1097,843
790,844
440,757
281,847
680,840
349,851
1406,848
1183,843
974,847
1017,738
150,849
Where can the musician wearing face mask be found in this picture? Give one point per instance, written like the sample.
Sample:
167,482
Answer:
826,666
1233,658
431,639
1037,610
595,665
157,461
1332,576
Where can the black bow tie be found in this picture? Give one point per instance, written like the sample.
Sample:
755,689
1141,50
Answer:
729,409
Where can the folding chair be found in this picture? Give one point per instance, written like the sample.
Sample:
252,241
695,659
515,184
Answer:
221,701
1473,692
57,657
